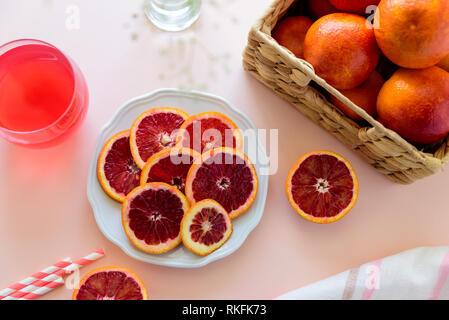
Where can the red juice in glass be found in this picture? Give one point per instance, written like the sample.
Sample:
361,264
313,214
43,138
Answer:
43,94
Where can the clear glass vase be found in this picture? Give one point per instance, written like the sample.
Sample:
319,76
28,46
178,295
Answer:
172,15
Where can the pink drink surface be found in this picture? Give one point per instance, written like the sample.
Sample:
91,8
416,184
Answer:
36,87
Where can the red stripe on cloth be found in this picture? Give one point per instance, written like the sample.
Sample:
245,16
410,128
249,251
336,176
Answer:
350,285
443,274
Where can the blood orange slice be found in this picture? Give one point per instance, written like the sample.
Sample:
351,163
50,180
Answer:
205,227
209,130
225,175
117,172
111,283
169,166
322,187
153,131
151,217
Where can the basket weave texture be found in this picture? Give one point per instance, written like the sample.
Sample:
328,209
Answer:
290,78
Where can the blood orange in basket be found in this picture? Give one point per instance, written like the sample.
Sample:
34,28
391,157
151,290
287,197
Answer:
205,227
342,49
151,217
364,96
413,34
322,187
225,175
356,6
415,104
209,130
320,8
111,283
169,166
291,33
444,64
153,131
117,172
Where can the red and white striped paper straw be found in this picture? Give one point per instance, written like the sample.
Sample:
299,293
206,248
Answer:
97,254
22,288
50,281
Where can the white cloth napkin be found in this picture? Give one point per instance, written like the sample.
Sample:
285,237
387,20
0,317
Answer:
420,273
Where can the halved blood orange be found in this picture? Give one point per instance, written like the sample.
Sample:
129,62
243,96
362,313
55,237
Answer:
209,130
154,130
117,172
169,166
205,227
322,186
225,175
151,217
110,283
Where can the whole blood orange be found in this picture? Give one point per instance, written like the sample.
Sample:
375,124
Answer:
415,104
151,217
110,283
444,64
342,49
320,8
322,187
169,166
117,172
356,6
208,130
225,175
291,33
205,227
154,130
364,96
413,34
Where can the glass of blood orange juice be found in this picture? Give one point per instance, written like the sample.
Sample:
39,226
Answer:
43,94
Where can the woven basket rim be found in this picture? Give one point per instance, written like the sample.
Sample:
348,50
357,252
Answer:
263,30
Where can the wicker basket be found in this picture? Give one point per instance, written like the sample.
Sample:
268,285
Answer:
290,77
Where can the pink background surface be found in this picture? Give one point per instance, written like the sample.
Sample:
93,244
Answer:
45,214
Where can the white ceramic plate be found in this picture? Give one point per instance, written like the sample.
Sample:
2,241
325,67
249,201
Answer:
108,212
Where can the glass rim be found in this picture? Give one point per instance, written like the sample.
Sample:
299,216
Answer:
26,41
